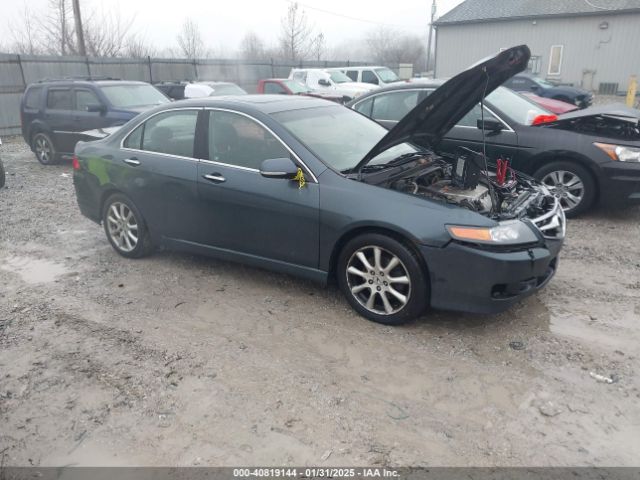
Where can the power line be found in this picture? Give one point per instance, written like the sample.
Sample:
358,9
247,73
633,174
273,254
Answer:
356,19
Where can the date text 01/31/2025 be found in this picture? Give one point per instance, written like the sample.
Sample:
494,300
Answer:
320,472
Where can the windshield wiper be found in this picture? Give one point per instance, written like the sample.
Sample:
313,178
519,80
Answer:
396,162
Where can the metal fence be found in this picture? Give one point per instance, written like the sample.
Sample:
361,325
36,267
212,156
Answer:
18,71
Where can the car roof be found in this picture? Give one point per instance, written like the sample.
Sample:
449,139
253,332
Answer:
356,67
407,85
72,81
267,104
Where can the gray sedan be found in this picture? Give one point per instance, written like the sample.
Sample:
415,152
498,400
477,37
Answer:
304,186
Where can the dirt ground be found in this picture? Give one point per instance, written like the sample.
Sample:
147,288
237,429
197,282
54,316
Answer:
184,360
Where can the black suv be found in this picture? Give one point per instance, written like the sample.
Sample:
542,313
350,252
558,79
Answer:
54,113
530,83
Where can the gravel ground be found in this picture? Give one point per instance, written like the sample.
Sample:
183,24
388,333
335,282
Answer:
184,360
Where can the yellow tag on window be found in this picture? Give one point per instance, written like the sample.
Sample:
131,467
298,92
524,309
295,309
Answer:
300,178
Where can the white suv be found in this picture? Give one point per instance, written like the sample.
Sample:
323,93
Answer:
330,80
374,75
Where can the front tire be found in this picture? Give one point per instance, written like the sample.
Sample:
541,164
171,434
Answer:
125,228
571,184
2,175
44,149
382,279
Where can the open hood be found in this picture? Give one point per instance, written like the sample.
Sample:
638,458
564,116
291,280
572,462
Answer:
616,111
432,118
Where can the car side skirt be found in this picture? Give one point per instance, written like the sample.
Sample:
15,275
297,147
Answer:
315,275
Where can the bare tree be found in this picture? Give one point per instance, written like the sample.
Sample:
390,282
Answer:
190,40
388,46
252,47
295,33
138,47
56,31
318,47
107,33
27,38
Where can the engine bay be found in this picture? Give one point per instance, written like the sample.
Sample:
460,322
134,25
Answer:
462,180
604,126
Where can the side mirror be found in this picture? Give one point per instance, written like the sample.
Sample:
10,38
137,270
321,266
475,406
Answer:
279,168
324,82
96,108
535,88
492,126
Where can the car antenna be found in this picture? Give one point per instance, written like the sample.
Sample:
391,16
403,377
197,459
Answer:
484,143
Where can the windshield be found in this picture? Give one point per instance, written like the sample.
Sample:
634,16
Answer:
515,106
296,87
229,89
133,95
387,75
339,77
339,136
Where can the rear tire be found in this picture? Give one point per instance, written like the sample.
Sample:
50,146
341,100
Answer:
571,183
382,279
2,175
125,227
44,149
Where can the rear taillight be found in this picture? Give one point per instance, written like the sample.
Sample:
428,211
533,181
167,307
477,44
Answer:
75,163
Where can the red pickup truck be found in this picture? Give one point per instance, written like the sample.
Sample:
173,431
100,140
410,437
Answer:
286,86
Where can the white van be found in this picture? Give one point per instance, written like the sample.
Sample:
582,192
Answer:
334,81
374,75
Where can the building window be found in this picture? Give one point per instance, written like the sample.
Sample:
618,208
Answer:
534,64
555,59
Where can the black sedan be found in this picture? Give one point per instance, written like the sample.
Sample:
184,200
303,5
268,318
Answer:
584,157
307,187
565,93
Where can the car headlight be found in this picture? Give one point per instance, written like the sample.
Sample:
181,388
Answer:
511,232
619,152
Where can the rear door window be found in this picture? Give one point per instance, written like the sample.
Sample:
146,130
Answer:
170,132
59,99
364,107
394,106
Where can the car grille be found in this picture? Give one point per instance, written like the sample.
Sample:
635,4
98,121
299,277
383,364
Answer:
552,224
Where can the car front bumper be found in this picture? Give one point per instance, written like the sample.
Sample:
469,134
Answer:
468,279
620,183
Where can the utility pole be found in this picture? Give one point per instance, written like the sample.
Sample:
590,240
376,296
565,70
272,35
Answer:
79,31
433,17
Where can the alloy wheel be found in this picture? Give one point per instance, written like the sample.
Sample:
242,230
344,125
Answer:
378,280
122,226
43,150
566,186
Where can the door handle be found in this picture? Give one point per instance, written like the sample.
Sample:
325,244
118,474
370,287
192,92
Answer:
132,161
215,177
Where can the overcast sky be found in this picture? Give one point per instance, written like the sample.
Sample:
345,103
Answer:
224,22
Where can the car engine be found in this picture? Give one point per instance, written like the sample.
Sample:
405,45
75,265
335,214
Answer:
438,178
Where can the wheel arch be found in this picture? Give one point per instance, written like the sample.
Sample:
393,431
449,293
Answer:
571,157
382,230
